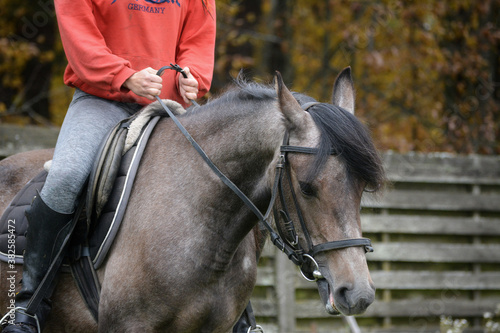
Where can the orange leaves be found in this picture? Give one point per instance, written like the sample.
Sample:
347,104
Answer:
426,72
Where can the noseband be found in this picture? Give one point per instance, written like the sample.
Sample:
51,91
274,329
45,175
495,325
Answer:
291,247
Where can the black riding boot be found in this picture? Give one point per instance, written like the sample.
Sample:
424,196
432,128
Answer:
47,231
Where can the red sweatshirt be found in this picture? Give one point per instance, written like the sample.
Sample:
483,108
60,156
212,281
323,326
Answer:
106,41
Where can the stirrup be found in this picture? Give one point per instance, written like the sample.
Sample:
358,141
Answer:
257,329
23,312
7,315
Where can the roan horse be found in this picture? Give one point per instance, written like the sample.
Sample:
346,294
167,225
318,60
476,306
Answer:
185,257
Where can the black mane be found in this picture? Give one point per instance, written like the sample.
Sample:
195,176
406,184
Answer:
242,91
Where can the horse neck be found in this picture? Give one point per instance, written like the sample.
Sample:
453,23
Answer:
243,141
243,144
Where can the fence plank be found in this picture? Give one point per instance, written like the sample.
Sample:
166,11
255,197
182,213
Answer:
442,168
15,139
430,280
414,224
437,253
264,307
448,305
440,201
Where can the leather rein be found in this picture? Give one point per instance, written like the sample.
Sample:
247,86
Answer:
285,240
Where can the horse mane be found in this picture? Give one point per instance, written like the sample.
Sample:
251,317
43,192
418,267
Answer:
243,91
340,131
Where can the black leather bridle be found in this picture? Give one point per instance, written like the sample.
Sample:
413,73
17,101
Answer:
299,255
286,240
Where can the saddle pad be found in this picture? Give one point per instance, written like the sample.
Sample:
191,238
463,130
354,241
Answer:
13,223
104,231
105,215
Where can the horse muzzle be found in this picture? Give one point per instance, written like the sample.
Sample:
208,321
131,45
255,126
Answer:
345,300
327,297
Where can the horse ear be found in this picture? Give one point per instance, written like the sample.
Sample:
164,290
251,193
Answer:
343,91
289,106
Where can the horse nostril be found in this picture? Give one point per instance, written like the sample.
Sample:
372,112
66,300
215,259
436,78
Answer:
352,300
341,296
364,302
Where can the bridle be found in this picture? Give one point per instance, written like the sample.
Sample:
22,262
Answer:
286,240
290,241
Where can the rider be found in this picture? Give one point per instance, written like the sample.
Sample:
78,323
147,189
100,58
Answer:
114,48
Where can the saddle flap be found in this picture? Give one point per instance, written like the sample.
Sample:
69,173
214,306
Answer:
109,171
13,223
100,172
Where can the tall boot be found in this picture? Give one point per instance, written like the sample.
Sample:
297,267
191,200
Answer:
47,231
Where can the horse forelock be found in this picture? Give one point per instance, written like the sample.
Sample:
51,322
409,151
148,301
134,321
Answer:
350,139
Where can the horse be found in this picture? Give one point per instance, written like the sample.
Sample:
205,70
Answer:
185,258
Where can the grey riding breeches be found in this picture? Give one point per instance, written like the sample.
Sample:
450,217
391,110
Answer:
87,122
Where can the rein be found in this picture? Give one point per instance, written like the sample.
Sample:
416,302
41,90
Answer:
292,248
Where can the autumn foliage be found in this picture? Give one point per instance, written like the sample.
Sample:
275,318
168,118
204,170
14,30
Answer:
427,72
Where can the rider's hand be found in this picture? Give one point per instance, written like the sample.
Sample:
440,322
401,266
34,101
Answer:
188,87
145,83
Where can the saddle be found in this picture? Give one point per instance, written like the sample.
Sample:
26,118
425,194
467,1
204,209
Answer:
102,205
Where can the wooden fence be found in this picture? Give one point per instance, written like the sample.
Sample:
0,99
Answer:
16,139
437,252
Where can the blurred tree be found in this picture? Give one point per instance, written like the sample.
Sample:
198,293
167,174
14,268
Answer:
469,40
427,72
236,24
27,41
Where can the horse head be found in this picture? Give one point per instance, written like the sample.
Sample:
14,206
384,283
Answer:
324,183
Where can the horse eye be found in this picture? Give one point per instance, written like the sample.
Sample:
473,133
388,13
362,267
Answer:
307,189
371,188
